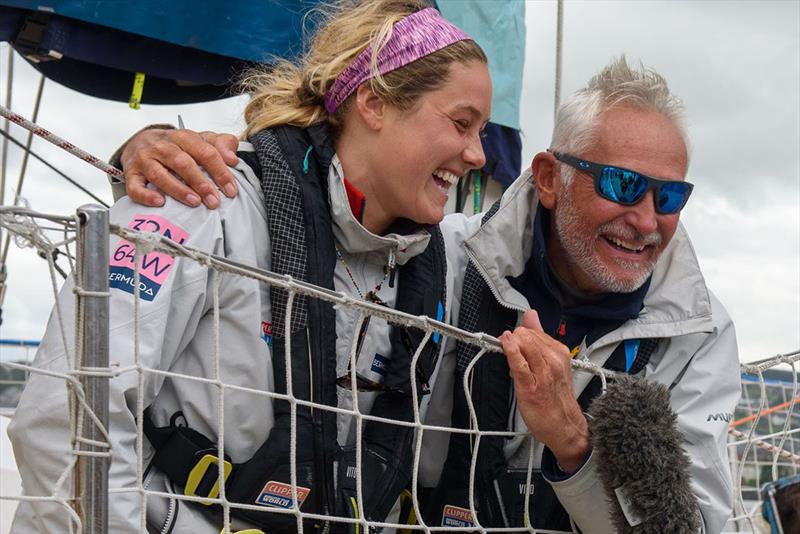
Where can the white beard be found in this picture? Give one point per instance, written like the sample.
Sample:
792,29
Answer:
578,243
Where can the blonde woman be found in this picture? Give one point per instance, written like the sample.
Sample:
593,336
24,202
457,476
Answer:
350,156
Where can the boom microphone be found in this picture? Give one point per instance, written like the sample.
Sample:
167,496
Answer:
641,460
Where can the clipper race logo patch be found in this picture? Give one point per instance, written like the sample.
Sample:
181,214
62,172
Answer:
154,267
279,495
453,516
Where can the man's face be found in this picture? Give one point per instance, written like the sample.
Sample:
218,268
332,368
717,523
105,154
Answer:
597,245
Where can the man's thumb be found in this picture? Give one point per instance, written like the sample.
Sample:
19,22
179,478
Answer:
530,319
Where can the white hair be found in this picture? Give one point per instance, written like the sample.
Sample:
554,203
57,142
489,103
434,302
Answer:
618,84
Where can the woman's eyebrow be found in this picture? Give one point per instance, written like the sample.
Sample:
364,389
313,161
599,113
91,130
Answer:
472,110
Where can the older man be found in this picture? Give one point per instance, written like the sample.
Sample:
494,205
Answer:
590,240
582,257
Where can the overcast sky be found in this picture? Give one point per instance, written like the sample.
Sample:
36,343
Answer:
736,65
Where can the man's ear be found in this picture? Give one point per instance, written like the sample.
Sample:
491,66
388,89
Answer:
370,107
547,178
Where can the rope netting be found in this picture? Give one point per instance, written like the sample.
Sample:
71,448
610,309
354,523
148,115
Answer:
764,434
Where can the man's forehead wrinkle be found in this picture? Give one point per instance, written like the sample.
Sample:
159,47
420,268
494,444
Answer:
630,148
640,140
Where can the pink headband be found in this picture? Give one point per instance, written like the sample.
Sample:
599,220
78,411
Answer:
416,36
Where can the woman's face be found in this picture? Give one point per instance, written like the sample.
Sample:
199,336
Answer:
423,151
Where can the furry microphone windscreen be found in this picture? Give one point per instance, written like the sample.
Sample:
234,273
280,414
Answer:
641,460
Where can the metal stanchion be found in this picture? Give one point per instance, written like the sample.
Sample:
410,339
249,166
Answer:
93,254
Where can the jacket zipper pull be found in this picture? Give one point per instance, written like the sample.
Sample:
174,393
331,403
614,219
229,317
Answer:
392,266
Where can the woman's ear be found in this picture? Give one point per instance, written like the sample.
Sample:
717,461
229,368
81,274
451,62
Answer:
371,108
547,178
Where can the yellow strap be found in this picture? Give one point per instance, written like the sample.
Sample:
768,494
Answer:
412,514
136,92
245,531
355,513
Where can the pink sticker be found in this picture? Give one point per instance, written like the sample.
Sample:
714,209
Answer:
154,266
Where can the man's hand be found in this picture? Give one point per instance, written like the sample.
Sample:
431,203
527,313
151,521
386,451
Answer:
153,155
540,367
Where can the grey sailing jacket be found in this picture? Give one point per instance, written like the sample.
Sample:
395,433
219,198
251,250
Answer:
177,337
699,359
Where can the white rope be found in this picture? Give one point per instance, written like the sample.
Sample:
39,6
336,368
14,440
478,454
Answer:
354,347
764,437
529,521
748,445
140,407
778,451
419,433
59,142
19,222
27,233
216,281
754,368
287,333
751,441
473,418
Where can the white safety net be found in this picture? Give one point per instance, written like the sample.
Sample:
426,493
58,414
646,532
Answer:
764,434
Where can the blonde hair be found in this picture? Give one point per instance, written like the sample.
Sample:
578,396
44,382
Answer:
292,92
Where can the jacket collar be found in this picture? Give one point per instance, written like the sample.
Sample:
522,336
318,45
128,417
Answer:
406,241
677,301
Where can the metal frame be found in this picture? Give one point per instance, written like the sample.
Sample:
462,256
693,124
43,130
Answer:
94,315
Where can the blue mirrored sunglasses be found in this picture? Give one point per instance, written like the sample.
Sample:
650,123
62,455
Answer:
628,187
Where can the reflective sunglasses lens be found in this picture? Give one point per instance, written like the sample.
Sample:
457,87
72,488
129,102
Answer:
622,186
672,196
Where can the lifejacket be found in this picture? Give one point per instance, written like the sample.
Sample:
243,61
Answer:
293,164
499,489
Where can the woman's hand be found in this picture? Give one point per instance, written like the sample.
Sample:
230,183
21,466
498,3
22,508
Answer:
171,160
